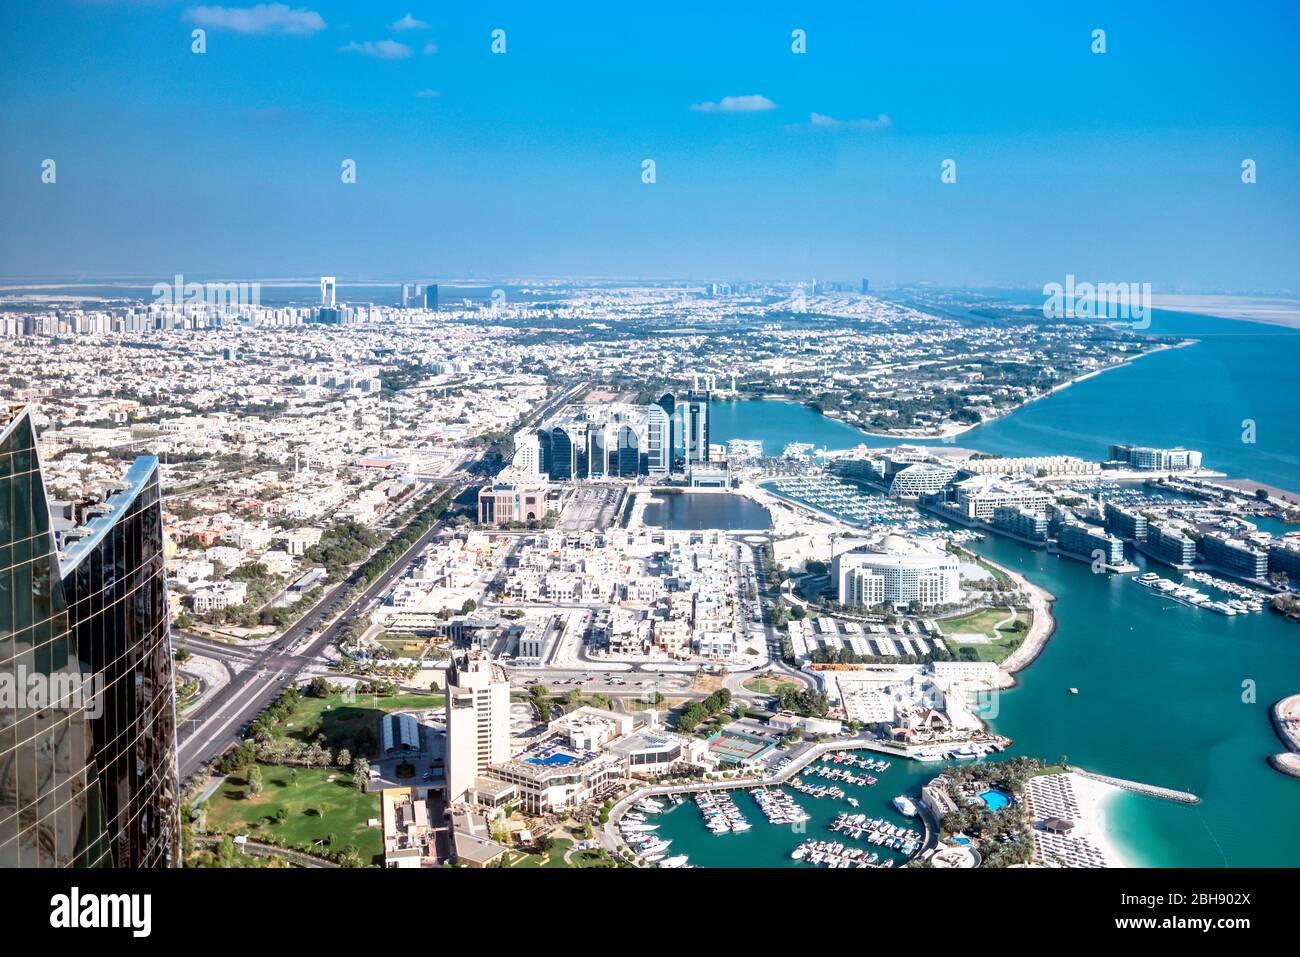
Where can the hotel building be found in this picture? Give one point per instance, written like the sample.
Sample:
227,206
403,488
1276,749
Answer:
1235,557
1171,544
899,572
1083,540
1148,459
980,497
478,720
1284,557
504,503
1024,522
1127,523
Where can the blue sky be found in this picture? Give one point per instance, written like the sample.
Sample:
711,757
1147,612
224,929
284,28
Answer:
1124,166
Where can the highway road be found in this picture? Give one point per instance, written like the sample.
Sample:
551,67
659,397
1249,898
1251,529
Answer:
218,722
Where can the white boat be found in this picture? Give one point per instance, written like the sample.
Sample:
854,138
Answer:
1074,691
905,805
658,847
678,861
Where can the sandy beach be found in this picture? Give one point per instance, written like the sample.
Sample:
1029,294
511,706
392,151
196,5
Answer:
1094,798
1083,802
1286,722
1044,624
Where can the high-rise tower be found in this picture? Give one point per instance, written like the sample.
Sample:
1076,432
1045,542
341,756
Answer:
88,773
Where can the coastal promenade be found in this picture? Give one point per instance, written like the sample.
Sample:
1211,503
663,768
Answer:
1286,721
1137,787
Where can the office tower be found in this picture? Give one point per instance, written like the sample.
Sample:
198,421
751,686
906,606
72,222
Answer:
669,405
478,720
88,773
695,426
327,291
419,295
866,287
605,439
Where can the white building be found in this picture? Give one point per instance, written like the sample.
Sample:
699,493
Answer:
219,595
900,572
980,497
478,720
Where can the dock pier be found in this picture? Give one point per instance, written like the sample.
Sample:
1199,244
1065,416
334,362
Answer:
1137,787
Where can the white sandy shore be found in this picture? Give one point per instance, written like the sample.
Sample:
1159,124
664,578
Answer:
1094,798
1272,311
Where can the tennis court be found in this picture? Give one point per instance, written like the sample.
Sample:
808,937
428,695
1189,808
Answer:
736,748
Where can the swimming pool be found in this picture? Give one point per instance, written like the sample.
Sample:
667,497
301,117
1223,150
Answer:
995,799
552,760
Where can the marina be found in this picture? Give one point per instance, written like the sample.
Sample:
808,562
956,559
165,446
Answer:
783,817
849,503
1186,595
835,854
1173,657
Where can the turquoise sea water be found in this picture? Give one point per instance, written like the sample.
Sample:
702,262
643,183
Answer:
1168,694
769,845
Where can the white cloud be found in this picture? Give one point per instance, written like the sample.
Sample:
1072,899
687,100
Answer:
379,49
262,18
823,122
752,103
429,48
427,94
408,22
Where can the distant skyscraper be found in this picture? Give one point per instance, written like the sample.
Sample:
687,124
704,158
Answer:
695,425
419,295
865,286
327,291
88,773
669,405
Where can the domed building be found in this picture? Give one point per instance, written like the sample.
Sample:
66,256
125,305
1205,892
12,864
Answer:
899,571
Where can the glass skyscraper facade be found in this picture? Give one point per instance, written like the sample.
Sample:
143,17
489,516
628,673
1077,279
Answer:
88,774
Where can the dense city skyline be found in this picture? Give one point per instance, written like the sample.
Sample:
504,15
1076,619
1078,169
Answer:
1123,165
698,437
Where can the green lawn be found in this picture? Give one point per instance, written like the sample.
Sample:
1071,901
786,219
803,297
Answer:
765,685
553,858
340,720
592,859
984,622
318,808
407,646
